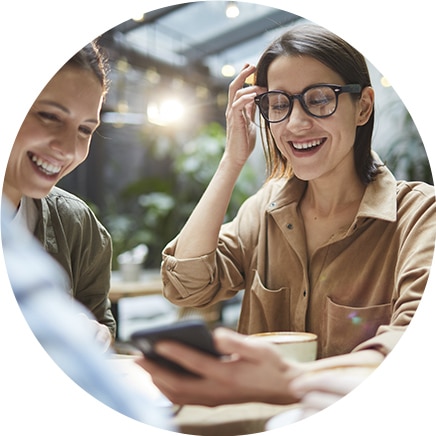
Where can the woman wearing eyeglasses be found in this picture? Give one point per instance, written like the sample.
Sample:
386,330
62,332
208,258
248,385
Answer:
332,243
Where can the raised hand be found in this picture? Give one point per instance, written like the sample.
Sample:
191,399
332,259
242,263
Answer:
241,129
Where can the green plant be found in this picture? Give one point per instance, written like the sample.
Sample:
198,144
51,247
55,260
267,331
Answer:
406,155
152,210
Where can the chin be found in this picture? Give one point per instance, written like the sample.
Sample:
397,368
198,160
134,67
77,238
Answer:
306,176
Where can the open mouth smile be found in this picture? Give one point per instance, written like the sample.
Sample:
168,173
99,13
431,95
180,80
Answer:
307,145
45,167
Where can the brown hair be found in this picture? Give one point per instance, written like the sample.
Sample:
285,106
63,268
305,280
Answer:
91,58
326,47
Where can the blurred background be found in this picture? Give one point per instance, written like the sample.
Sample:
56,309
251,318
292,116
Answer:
163,127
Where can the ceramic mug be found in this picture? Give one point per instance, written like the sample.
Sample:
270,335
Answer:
296,346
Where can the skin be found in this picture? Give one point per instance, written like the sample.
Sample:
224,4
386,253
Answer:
319,389
58,130
334,190
56,133
254,371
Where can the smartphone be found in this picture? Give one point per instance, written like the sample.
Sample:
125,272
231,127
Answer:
193,333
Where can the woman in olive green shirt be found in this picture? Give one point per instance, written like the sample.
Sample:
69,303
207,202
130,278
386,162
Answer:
52,141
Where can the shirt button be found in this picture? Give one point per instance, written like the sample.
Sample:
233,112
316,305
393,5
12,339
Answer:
290,226
304,293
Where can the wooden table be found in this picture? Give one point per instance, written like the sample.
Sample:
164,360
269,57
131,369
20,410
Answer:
149,283
227,420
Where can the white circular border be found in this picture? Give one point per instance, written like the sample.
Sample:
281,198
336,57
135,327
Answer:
37,38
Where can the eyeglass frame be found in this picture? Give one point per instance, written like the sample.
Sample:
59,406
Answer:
354,88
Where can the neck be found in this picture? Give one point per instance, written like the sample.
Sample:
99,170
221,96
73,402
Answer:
328,199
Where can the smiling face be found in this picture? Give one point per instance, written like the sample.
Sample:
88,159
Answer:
55,135
316,147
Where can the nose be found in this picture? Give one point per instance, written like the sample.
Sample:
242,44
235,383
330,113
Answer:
64,141
298,118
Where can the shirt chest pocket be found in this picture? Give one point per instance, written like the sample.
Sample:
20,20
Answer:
345,327
269,309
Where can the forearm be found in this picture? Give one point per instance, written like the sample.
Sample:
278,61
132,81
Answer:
370,358
326,381
199,236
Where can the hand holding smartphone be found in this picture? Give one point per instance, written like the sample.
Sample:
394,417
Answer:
193,333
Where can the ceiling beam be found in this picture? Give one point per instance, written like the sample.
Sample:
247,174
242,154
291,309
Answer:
149,18
227,40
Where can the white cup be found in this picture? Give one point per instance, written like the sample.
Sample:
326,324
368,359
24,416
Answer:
295,346
130,272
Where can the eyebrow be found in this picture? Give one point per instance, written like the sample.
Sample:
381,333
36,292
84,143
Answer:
64,109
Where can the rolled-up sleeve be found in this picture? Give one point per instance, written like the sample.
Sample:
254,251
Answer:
185,279
200,281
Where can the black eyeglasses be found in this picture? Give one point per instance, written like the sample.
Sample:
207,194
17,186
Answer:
319,101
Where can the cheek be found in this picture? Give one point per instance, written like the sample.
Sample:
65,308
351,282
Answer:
85,152
24,138
275,133
28,132
80,155
82,150
348,135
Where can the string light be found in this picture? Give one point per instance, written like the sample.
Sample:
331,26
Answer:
232,10
165,112
385,82
228,70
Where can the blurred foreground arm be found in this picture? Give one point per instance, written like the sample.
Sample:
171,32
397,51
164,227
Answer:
254,372
249,372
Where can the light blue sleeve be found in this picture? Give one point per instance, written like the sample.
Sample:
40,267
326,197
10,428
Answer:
53,319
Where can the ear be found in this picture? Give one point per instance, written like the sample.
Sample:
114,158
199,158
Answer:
365,106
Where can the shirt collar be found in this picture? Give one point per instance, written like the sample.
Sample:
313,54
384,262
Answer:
379,200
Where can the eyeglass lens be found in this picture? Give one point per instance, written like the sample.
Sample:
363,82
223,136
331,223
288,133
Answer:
318,101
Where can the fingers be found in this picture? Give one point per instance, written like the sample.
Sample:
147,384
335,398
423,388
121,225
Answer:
240,95
230,342
240,80
193,360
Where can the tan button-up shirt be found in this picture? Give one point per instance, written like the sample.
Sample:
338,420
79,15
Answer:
359,290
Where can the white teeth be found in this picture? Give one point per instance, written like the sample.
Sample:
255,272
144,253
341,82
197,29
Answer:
306,145
46,167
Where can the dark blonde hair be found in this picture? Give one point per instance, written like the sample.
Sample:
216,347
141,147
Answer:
326,47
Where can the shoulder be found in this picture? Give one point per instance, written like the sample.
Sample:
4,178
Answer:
66,203
417,192
419,188
60,196
416,205
71,209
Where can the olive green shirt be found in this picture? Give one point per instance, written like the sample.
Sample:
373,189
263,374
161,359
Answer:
359,290
71,233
